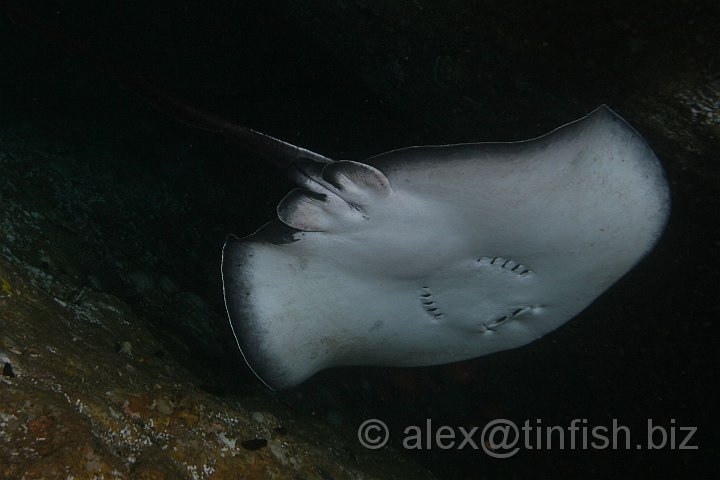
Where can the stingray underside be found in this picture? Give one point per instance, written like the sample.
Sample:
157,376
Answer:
429,255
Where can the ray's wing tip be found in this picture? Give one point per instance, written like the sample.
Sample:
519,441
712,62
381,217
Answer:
250,335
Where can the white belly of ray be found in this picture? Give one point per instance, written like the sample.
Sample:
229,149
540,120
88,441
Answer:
430,255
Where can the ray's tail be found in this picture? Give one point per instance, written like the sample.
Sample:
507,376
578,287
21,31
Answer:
281,154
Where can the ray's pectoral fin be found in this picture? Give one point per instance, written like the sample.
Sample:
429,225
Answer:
337,198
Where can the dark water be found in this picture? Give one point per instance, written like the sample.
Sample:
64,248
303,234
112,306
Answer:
351,79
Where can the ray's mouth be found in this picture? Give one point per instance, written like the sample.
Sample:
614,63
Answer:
493,324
